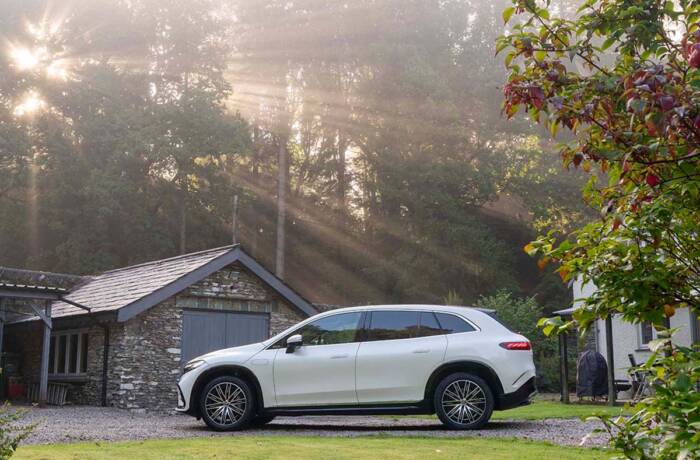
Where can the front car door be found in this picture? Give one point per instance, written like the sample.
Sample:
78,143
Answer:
322,370
400,351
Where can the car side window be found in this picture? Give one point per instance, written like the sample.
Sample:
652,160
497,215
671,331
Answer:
331,330
393,325
451,324
429,325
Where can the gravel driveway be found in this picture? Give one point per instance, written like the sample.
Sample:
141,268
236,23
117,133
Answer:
74,424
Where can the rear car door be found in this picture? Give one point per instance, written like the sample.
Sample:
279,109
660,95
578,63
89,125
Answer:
400,350
322,370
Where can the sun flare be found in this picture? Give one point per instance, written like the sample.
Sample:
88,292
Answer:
29,104
25,58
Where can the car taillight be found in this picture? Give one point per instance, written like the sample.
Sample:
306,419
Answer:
515,345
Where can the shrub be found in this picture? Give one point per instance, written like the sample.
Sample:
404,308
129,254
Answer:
12,432
520,314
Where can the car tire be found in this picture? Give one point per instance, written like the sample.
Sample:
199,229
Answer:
227,404
261,420
463,401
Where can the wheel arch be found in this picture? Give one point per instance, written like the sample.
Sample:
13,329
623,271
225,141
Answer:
473,367
233,370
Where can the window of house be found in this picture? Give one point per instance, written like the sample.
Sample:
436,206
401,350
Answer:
646,334
68,353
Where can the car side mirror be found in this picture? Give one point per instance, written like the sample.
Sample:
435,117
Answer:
294,342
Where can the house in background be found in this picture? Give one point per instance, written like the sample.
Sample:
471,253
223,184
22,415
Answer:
629,338
145,321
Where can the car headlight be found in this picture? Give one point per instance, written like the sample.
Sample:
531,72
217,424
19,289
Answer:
192,365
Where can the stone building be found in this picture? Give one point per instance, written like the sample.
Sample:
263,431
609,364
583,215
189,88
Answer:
147,320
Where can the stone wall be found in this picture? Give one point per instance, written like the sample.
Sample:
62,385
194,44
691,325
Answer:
145,360
145,352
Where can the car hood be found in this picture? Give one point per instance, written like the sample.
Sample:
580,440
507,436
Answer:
234,354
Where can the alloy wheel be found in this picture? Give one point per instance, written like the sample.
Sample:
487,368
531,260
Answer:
463,401
225,403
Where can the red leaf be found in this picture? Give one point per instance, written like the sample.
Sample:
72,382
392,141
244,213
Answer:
694,60
653,180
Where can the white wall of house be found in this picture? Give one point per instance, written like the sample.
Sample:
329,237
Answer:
627,337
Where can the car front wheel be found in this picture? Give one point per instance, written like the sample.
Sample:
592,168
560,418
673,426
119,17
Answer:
227,404
463,401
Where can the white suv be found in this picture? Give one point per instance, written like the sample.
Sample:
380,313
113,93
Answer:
458,362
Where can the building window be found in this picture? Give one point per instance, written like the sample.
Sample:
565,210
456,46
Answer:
646,334
68,353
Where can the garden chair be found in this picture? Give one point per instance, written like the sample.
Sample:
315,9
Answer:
640,379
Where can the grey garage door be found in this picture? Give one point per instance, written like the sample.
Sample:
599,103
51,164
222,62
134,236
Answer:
205,331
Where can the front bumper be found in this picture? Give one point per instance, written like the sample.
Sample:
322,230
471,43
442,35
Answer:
520,397
184,389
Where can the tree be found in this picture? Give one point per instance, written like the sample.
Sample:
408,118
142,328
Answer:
624,78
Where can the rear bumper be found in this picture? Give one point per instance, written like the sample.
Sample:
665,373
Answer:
520,397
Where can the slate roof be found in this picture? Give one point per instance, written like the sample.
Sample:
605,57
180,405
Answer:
58,282
131,290
29,288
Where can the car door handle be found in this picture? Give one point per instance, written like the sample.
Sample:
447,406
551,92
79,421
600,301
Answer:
422,350
339,356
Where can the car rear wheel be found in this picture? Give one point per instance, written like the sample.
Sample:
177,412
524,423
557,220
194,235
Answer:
227,404
463,401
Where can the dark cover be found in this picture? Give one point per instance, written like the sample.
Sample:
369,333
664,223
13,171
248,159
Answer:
591,375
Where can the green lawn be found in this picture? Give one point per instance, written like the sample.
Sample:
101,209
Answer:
310,448
540,410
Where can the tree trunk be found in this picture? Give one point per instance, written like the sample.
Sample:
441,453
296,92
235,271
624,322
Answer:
255,179
183,219
340,172
282,176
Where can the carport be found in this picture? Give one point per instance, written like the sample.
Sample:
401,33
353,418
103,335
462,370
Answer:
20,301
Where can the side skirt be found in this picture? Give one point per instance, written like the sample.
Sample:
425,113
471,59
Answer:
391,409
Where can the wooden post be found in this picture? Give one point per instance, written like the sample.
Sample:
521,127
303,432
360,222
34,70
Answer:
3,389
105,364
2,336
611,361
564,367
44,375
2,325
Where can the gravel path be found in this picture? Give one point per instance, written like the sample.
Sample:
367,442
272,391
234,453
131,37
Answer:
74,424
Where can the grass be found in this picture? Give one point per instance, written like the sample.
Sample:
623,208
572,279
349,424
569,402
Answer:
310,448
540,410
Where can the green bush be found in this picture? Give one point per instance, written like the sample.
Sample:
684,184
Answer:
666,425
520,314
12,432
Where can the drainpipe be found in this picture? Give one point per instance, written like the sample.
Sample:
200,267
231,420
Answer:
105,364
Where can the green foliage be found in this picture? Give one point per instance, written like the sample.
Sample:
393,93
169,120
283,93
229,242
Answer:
404,180
671,415
521,315
452,298
636,121
11,431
